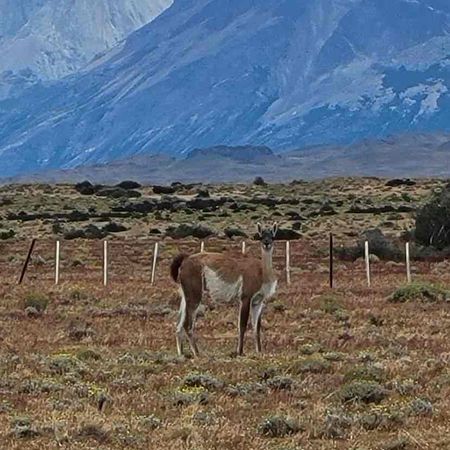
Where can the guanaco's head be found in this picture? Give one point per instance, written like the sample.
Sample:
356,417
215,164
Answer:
267,236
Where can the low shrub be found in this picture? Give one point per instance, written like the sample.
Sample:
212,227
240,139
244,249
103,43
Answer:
22,428
337,424
310,365
37,301
365,373
420,407
93,431
202,380
278,426
379,245
362,392
419,291
280,383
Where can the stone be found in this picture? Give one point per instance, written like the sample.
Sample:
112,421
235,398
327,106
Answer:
85,188
189,230
128,184
234,232
164,190
117,192
400,182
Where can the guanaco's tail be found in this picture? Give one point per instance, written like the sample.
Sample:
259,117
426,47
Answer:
176,264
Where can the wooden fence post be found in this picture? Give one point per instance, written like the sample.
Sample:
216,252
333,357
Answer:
27,261
331,261
105,263
408,263
155,258
288,262
243,248
367,254
57,261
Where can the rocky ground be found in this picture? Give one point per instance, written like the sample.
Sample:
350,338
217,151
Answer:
91,367
344,206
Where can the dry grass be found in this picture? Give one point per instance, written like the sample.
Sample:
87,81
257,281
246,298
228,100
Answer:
98,368
88,367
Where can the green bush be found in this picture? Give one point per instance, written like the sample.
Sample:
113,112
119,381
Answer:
150,422
365,373
62,364
4,235
362,392
433,221
330,303
379,245
280,383
93,431
202,380
310,365
37,301
88,354
420,407
22,428
278,426
249,389
419,291
385,420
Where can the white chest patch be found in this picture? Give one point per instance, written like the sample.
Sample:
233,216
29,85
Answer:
269,289
265,293
220,290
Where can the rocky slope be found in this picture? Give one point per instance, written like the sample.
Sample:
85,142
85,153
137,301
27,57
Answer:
49,39
275,72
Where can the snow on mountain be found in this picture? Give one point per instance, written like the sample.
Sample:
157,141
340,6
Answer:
49,39
282,73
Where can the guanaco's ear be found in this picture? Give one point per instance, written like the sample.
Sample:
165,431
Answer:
274,229
260,230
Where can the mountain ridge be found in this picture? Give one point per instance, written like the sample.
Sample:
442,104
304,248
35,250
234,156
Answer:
50,39
210,73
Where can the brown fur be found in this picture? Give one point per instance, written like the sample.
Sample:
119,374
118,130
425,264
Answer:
175,266
229,268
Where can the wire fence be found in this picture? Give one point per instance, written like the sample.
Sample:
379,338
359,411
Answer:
135,261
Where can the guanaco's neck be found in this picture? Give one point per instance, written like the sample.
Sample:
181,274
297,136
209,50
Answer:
267,269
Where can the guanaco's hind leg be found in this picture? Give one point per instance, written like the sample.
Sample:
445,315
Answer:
189,326
181,321
190,299
244,311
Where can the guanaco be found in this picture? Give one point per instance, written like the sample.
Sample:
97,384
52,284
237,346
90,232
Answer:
226,277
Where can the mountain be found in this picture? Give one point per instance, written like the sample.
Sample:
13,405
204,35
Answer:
278,73
241,154
414,155
49,39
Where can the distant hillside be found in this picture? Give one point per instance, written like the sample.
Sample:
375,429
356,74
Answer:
243,154
400,156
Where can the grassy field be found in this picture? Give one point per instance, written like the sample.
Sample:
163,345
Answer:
84,366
